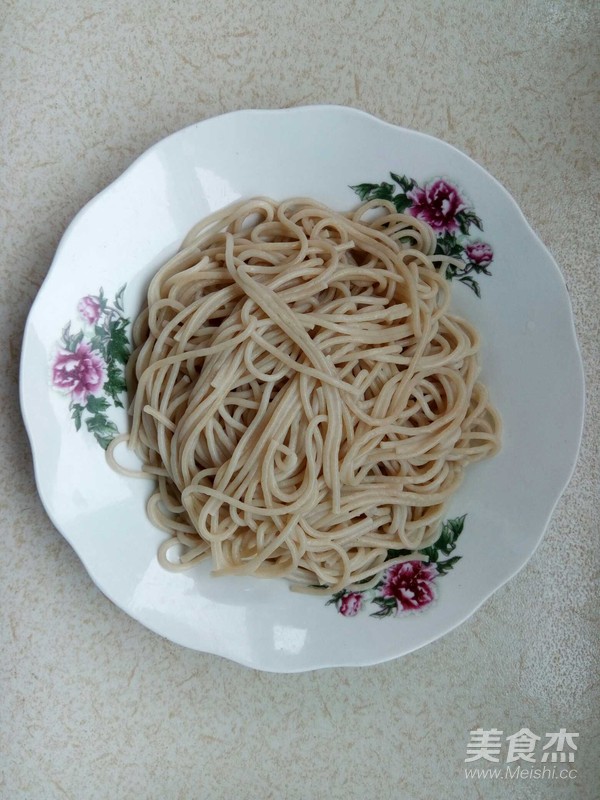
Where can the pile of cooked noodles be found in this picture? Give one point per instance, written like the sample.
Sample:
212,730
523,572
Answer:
302,395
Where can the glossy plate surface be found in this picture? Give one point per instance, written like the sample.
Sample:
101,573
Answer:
530,358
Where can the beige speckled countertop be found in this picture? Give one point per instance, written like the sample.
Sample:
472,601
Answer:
94,705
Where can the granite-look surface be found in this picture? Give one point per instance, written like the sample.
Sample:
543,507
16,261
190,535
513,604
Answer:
95,706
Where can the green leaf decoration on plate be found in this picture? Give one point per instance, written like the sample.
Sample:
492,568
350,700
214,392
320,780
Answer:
446,543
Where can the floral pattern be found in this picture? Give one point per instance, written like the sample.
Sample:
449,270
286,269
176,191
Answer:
89,366
445,208
351,604
438,204
90,309
409,585
80,372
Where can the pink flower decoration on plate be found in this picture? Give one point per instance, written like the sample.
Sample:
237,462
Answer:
437,203
351,604
411,584
479,253
89,308
80,373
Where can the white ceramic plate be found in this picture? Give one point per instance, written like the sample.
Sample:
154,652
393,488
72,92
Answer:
530,357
